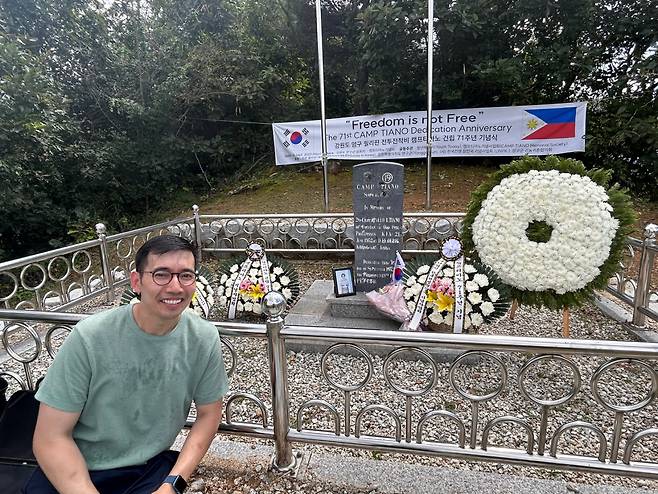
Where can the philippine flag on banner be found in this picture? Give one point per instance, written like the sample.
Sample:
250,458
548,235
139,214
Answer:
551,123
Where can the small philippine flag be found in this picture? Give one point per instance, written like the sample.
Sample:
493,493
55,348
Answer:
398,268
551,123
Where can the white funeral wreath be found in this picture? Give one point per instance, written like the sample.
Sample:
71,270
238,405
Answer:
573,205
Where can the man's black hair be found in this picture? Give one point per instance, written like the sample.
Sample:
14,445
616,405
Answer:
161,245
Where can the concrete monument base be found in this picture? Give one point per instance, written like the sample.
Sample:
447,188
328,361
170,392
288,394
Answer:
321,308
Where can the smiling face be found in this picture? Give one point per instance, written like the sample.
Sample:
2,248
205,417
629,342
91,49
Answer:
161,306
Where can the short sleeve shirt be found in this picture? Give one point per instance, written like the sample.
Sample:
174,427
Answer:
133,389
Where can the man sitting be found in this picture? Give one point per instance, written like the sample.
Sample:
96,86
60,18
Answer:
120,388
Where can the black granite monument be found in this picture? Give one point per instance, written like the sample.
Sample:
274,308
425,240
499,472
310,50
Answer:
378,191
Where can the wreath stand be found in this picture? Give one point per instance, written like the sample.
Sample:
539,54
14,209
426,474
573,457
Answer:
566,318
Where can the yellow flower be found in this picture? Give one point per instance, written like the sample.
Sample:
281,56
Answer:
256,292
440,301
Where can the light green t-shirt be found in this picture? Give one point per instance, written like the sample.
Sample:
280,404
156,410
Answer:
133,389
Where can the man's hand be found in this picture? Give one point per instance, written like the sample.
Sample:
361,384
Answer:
198,440
165,489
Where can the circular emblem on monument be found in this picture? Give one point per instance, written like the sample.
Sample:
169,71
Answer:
387,177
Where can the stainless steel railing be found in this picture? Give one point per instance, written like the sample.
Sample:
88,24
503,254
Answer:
63,278
544,390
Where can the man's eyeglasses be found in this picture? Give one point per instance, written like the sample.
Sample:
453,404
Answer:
163,277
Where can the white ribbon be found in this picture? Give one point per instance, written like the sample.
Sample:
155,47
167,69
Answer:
203,303
235,291
265,271
422,299
458,314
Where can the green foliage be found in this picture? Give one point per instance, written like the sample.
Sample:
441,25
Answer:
617,198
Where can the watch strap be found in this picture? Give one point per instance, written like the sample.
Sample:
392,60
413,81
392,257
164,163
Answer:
177,482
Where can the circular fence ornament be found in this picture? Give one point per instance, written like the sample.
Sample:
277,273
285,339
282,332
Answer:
549,229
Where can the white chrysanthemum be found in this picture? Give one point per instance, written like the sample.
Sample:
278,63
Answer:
469,268
448,272
436,317
277,271
422,279
467,322
248,306
411,306
240,306
228,292
287,293
474,298
223,300
481,279
411,281
234,268
448,319
210,300
477,319
408,293
234,276
424,269
487,308
203,280
493,294
258,308
220,291
417,288
285,281
224,278
210,290
253,272
573,205
472,286
256,264
276,286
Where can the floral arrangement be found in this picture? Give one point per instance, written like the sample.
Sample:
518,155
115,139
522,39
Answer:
550,229
202,299
458,295
243,284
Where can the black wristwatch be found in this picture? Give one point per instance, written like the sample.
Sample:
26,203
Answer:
177,482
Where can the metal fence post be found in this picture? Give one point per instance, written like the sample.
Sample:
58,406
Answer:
641,298
273,306
105,261
197,233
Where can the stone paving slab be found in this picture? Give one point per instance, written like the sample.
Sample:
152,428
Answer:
391,477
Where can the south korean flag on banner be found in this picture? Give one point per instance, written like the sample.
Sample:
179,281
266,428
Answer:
297,142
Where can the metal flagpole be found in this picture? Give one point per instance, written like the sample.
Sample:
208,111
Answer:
430,56
323,118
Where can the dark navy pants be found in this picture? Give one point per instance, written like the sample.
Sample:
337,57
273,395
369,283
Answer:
137,479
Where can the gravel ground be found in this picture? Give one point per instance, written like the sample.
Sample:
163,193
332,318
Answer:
626,385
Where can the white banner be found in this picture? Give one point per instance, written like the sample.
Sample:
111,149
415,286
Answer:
503,131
